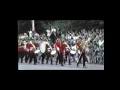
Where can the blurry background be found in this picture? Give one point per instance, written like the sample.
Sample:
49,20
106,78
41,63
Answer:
65,25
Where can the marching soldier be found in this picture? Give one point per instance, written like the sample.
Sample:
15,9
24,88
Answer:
48,54
82,49
20,51
67,53
57,50
78,43
24,47
61,50
27,54
36,43
32,48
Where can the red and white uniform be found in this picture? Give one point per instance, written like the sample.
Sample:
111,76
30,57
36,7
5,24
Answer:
27,47
20,48
61,47
56,46
30,49
66,49
36,45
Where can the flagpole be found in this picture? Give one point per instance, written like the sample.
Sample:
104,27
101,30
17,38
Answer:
33,25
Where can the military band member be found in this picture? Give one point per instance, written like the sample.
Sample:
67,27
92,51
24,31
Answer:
32,48
61,50
78,44
48,54
57,50
20,50
83,54
36,43
67,52
27,54
24,47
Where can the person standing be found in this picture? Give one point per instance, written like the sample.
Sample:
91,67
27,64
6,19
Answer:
82,49
32,48
53,37
61,47
48,33
57,50
82,55
20,51
27,54
37,48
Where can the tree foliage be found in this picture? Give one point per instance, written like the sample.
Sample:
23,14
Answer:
64,25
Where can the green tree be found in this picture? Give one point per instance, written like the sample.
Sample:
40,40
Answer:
65,25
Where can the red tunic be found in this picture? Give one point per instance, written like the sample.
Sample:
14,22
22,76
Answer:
61,47
31,47
27,47
20,48
36,45
56,45
66,49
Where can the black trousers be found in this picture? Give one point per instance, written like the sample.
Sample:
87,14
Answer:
33,56
49,56
61,58
27,56
67,55
53,40
58,59
43,57
21,55
82,55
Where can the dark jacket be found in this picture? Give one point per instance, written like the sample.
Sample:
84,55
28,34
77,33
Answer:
52,36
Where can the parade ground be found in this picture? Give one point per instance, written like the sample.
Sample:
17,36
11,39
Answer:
39,66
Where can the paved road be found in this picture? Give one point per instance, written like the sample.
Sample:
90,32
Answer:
27,66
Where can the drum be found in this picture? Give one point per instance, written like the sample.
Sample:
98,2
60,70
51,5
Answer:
37,51
53,52
43,47
72,51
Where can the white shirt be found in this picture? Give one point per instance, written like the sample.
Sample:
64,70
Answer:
53,30
48,32
100,42
69,37
75,37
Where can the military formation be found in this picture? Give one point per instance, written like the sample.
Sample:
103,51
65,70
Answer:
41,48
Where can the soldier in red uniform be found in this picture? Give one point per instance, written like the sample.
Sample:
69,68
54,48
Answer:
56,46
78,43
32,48
83,54
20,51
37,47
67,53
48,55
27,55
61,50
